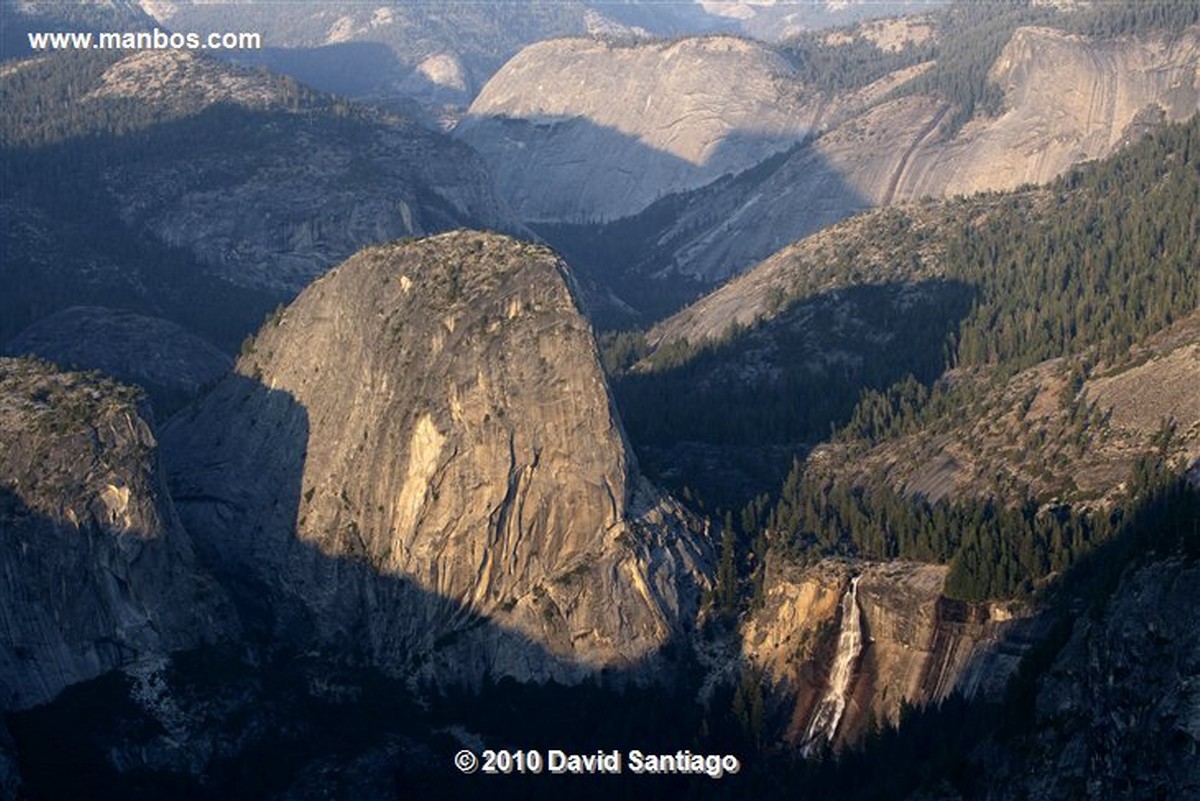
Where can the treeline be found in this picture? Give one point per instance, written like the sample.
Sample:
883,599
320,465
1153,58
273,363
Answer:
1134,17
1103,260
994,550
57,98
969,38
850,64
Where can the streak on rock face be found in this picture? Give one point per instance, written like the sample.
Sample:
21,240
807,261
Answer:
424,450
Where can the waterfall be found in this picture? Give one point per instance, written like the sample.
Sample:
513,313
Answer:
829,711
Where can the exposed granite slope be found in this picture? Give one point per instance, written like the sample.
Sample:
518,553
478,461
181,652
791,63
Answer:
322,183
263,181
97,569
1027,432
1067,99
579,129
424,443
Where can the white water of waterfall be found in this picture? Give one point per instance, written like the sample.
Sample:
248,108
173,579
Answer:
829,711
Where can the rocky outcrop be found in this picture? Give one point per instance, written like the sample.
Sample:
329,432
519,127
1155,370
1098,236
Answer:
97,569
1118,712
264,182
848,169
329,182
158,355
815,264
1067,99
918,647
420,460
582,130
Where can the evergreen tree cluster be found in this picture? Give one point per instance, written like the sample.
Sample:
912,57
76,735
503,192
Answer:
57,99
994,550
1110,260
1131,18
851,64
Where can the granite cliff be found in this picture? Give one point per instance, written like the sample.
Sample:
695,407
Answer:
1067,99
98,570
917,646
586,130
419,461
818,156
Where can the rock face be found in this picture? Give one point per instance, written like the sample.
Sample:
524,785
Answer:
169,362
263,182
813,265
1120,706
97,569
420,457
1068,99
304,201
918,645
581,130
848,169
